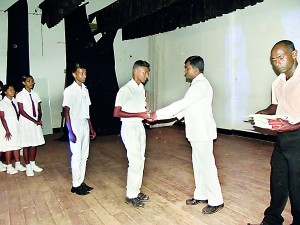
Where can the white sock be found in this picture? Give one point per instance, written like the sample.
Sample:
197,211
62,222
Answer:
28,166
32,163
17,163
9,165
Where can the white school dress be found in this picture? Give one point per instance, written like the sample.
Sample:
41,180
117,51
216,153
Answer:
12,124
30,133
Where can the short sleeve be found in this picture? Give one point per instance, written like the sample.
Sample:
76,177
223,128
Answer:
120,97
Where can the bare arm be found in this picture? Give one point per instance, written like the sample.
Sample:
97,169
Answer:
40,112
23,113
7,134
270,110
72,136
118,112
93,132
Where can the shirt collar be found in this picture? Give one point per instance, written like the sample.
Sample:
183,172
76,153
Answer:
77,86
198,77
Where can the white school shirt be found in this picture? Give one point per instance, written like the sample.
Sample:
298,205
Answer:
131,97
77,98
12,124
24,97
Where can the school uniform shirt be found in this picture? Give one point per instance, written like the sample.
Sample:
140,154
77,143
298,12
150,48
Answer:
78,100
196,108
31,135
12,122
286,95
131,97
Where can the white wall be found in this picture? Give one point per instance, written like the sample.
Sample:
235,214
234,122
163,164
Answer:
236,50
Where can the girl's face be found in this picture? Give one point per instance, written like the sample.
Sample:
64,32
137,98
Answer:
10,92
28,83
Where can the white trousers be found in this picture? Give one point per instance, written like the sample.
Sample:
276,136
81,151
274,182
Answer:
79,150
134,138
205,173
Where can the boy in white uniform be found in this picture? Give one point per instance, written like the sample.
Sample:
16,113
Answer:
76,104
130,106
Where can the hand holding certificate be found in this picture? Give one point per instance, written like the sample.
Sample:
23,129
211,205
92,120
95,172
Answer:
267,121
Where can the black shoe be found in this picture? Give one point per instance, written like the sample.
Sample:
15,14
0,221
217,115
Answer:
136,202
193,201
212,209
86,187
79,190
142,197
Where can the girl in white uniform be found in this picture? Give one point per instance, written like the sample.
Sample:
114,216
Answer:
9,131
31,134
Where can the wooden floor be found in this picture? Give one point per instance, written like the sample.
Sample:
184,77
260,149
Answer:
243,166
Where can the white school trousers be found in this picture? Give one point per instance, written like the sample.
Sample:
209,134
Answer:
79,150
134,138
205,173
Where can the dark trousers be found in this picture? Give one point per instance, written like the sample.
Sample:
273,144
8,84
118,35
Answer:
285,178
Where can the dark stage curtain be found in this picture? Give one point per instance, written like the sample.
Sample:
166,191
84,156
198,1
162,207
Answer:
98,58
17,45
140,18
53,11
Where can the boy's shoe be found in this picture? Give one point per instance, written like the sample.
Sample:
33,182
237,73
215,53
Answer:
136,202
20,167
11,170
143,197
79,190
212,209
36,168
86,187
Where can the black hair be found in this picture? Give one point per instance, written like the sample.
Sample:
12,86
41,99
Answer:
288,44
24,78
196,61
139,63
77,66
1,84
5,88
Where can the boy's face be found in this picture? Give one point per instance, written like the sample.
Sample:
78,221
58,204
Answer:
80,75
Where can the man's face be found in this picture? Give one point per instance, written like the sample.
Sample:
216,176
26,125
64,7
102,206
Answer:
80,75
283,58
190,71
141,74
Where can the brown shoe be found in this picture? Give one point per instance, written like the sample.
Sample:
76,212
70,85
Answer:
193,201
212,209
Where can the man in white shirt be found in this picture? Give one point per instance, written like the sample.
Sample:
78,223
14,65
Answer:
130,106
196,108
76,104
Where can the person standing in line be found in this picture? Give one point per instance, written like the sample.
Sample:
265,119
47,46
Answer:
31,134
9,132
200,127
76,103
130,106
2,165
285,160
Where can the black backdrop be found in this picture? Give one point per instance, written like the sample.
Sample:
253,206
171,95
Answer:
98,58
17,44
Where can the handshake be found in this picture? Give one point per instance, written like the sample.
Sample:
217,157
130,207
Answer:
149,116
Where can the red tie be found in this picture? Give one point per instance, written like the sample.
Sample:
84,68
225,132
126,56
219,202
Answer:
15,109
33,108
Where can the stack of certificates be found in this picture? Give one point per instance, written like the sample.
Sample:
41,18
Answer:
262,121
